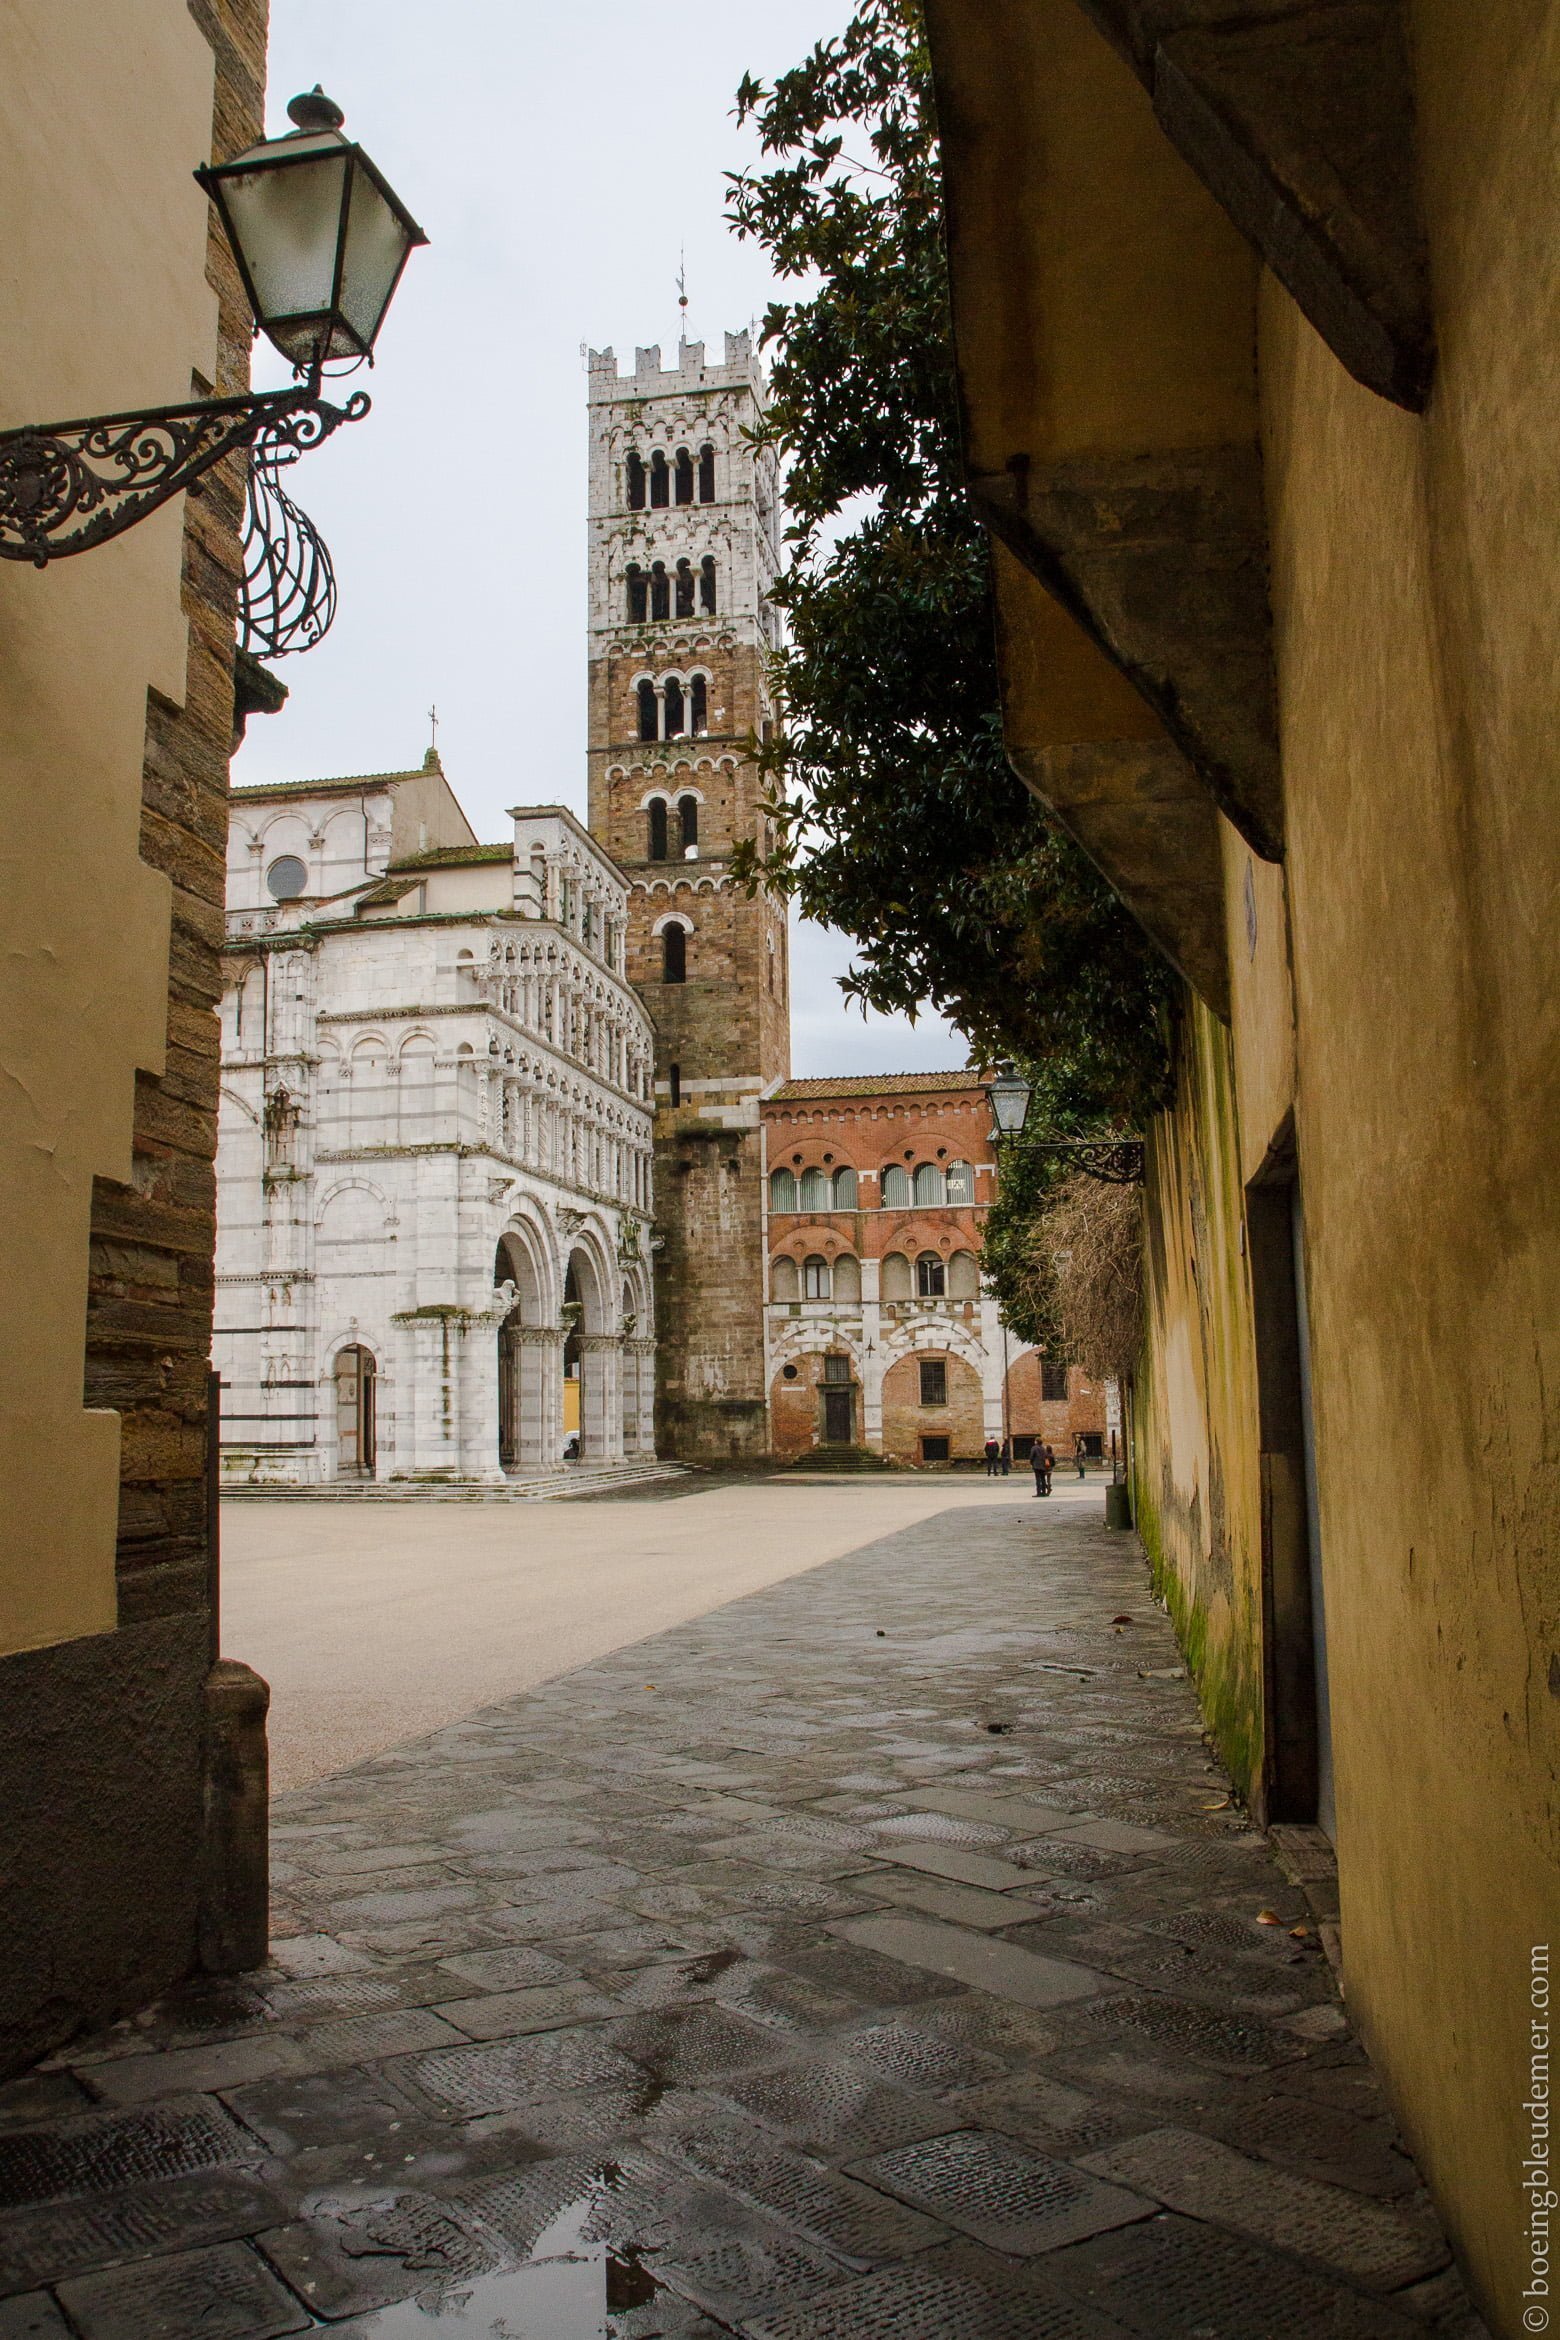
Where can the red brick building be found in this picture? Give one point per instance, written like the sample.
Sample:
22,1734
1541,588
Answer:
878,1335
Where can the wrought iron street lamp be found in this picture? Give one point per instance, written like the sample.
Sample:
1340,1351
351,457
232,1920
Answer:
320,239
1114,1161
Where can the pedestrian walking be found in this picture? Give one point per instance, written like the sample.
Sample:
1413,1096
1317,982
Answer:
1080,1454
1007,1458
1041,1457
993,1454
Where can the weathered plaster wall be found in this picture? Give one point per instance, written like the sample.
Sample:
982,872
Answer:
116,709
1196,1478
1419,754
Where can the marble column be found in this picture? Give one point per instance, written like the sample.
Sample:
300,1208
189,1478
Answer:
601,1403
541,1396
639,1411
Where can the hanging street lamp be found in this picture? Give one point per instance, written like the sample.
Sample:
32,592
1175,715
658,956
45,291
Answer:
320,239
1115,1161
1007,1093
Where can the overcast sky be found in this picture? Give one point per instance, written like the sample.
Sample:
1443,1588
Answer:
560,159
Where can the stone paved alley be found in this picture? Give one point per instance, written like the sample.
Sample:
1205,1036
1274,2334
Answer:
873,1958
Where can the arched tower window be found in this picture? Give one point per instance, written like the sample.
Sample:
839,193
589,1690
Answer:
672,693
688,819
707,583
782,1190
844,1190
684,589
635,470
674,954
660,592
660,481
647,710
896,1186
706,474
699,695
931,1280
638,595
815,1190
929,1183
961,1183
658,829
815,1277
684,476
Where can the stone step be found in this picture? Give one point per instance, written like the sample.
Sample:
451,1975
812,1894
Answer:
560,1485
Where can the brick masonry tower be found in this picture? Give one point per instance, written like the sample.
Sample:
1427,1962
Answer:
684,544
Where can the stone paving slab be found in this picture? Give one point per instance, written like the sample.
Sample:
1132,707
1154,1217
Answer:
749,1982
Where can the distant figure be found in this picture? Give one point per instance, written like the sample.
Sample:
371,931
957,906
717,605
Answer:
571,1448
1043,1460
1080,1454
993,1454
1007,1458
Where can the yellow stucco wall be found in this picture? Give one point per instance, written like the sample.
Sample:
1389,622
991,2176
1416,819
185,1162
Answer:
102,286
1415,577
1197,1485
1407,1007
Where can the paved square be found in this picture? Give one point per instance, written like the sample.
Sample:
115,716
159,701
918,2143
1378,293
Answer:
746,1980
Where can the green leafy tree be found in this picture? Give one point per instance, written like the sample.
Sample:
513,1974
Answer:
897,816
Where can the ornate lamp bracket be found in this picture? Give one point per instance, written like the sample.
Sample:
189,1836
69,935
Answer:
67,486
1113,1161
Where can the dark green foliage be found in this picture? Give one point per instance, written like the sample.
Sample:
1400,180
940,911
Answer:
898,817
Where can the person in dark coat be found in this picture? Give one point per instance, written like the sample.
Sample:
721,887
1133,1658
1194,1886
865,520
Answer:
1042,1458
993,1453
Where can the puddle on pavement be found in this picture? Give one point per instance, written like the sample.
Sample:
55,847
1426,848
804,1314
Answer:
570,2288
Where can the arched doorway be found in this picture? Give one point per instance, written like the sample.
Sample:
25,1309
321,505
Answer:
592,1354
524,1413
573,1314
357,1377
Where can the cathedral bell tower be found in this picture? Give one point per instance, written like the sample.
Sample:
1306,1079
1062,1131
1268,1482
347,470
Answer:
684,544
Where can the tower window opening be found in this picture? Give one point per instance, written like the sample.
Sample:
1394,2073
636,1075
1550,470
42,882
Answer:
688,817
648,712
707,583
684,476
660,481
672,695
674,954
660,592
674,1073
931,1280
684,589
658,829
635,470
699,695
638,595
706,474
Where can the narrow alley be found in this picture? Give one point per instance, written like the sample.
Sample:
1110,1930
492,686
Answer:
878,1954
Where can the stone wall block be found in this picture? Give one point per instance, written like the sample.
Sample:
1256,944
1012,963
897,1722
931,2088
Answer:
234,1887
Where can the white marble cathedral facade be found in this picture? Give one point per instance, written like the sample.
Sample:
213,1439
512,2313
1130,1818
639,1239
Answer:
435,1159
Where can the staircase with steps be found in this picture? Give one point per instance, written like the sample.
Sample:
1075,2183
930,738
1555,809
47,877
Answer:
569,1480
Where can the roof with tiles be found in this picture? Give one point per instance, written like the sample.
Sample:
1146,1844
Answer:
344,784
873,1085
453,856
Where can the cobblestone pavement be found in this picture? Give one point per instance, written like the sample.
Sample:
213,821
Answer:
875,1958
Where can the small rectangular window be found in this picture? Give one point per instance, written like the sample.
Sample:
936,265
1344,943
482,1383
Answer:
836,1368
1053,1379
934,1381
934,1450
674,1083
